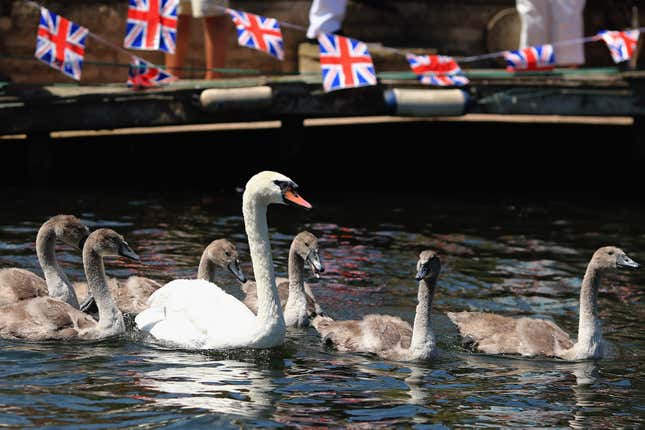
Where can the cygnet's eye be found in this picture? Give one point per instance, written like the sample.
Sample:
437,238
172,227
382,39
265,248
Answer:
228,254
611,253
306,244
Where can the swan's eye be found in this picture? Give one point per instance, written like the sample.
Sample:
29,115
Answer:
228,254
284,185
611,253
306,244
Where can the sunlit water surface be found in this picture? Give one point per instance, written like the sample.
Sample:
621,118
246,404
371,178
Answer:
508,257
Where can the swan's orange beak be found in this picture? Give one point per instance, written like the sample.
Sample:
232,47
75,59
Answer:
293,197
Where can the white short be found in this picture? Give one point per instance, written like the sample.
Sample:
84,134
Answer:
548,21
325,16
202,8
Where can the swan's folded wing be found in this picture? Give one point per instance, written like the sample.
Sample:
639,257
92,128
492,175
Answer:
490,333
171,290
342,335
542,337
19,284
131,295
42,318
386,332
175,331
194,313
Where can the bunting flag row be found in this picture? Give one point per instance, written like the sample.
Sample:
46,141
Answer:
345,62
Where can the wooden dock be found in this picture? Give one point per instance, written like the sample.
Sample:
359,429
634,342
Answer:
493,144
34,109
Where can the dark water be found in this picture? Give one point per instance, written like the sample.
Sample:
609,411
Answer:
515,258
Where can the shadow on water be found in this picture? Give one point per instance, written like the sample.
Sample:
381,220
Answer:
419,158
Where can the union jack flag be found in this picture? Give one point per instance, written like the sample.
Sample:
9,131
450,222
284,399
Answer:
541,57
444,80
434,64
142,74
60,43
258,32
439,70
152,25
621,44
345,63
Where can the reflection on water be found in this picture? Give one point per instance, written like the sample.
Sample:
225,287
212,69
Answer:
189,381
514,259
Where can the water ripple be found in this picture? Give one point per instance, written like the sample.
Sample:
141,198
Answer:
512,259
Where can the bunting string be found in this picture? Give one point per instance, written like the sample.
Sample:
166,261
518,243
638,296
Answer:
226,70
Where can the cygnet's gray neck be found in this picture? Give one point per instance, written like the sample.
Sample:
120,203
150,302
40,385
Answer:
58,284
207,268
423,339
110,317
589,341
295,311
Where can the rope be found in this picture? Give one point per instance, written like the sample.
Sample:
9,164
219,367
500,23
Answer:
232,71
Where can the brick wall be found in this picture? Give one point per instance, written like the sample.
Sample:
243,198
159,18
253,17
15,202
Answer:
448,26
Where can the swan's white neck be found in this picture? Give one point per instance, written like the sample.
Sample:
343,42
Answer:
589,343
423,340
110,317
270,320
295,311
58,285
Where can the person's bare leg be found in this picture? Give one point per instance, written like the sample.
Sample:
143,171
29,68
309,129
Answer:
216,34
175,61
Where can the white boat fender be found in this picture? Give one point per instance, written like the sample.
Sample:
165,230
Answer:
236,99
427,102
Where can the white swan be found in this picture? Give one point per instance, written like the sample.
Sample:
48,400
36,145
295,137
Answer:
20,284
497,334
197,314
45,318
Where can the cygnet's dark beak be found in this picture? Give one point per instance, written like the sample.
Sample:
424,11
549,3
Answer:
234,268
422,272
315,263
89,305
624,262
127,252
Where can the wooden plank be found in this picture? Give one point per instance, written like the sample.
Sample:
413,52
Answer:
30,108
